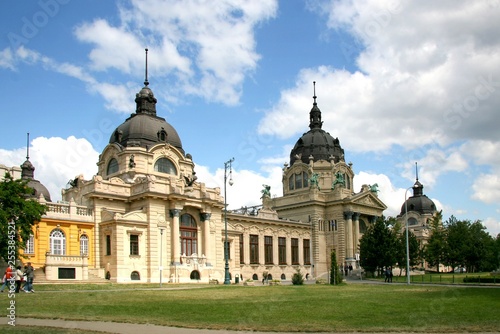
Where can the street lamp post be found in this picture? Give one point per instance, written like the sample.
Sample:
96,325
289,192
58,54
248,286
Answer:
227,165
407,240
161,259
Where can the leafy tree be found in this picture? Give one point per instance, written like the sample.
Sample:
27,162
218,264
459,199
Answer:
378,246
478,248
434,250
335,274
18,214
457,238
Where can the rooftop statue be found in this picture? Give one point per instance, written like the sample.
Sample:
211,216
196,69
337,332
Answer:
266,192
313,180
374,188
339,179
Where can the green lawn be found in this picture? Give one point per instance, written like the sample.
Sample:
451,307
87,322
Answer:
442,278
348,307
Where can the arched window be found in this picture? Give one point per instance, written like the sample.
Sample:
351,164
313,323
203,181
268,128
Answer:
195,275
188,229
255,277
84,245
135,276
112,167
57,242
412,221
164,165
283,276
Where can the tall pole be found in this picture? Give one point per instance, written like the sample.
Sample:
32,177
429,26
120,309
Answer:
227,279
407,241
161,259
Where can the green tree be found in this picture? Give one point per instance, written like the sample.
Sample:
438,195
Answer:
434,250
457,239
18,214
335,274
378,246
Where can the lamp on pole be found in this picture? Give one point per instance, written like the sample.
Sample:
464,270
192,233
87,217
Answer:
161,259
227,165
407,240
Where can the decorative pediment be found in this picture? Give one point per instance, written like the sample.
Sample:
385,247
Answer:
133,216
368,199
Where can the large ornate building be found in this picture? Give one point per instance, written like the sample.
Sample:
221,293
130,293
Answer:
146,217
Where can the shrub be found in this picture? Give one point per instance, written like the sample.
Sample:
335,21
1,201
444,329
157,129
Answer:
298,278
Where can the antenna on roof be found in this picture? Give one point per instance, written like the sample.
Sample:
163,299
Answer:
416,170
28,147
314,87
146,82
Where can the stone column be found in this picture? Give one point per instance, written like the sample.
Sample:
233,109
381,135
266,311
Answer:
176,243
276,259
205,218
348,235
246,247
355,218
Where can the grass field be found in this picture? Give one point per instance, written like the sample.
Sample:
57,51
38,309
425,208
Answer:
314,308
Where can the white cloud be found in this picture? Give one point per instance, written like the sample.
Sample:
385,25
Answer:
6,59
209,49
56,161
429,75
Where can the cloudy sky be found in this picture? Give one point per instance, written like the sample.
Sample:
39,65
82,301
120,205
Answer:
398,82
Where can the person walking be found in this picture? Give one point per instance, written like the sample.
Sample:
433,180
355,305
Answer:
7,277
30,275
19,278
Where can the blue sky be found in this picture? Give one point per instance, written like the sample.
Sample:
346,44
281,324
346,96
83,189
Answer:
398,82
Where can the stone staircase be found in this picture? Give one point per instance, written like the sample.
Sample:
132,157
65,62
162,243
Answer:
40,278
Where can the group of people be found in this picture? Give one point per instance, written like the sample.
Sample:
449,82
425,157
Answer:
22,278
388,275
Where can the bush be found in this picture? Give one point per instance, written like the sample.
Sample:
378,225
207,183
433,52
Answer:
481,280
298,278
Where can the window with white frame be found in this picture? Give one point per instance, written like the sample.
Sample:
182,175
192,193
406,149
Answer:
57,242
84,245
30,245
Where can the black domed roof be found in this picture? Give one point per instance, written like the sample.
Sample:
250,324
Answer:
316,142
144,128
27,174
418,202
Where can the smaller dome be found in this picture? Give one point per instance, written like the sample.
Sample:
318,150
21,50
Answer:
39,189
28,174
418,202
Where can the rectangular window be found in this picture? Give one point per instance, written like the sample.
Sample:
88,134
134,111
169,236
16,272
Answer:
227,248
108,244
189,242
30,245
291,183
282,250
298,181
307,251
254,248
295,251
268,249
134,244
242,258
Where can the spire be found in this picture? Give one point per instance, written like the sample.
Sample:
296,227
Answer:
315,114
146,82
145,100
28,146
27,168
418,188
